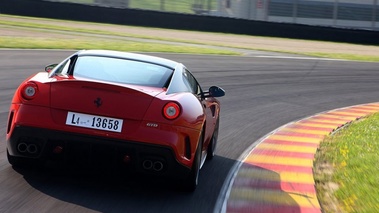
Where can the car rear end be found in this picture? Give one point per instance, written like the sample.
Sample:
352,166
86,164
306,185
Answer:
79,120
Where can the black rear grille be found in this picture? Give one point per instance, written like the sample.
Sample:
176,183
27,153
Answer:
85,151
91,155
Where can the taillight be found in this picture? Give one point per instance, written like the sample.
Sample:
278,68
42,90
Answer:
29,90
171,110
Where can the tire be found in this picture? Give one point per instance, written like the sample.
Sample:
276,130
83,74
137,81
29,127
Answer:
192,180
213,144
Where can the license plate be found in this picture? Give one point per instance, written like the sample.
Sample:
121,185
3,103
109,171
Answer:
94,122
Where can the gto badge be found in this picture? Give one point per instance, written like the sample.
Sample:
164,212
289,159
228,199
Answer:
152,125
98,102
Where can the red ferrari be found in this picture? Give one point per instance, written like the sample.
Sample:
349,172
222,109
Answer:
143,113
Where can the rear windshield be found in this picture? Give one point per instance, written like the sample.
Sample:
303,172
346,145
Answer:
122,71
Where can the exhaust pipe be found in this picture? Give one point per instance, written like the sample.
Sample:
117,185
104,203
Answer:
22,147
147,164
32,148
153,165
27,148
158,166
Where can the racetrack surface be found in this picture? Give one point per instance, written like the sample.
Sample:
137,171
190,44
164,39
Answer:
262,94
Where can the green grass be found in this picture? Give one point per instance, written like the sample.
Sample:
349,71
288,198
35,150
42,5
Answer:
81,41
349,160
35,25
351,57
178,6
77,44
95,30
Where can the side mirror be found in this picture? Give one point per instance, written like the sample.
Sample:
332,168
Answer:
50,67
215,91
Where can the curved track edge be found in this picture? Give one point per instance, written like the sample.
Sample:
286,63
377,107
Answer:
276,173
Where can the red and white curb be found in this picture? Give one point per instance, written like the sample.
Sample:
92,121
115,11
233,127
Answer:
277,175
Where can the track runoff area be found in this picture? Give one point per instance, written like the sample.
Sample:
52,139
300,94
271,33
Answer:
276,175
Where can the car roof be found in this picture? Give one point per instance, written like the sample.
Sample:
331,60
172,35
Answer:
132,56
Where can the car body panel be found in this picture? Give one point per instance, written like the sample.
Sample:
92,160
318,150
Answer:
98,98
50,119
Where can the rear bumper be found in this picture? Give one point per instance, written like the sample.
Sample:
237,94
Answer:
90,151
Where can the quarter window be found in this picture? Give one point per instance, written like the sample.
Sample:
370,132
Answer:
191,83
62,69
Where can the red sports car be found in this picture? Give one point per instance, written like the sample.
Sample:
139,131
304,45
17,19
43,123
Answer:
143,113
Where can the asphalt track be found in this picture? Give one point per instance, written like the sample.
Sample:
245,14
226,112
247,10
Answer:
264,92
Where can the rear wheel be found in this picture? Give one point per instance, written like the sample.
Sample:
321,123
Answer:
193,179
212,145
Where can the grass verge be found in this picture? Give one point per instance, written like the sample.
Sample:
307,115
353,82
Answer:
90,42
109,44
84,31
346,168
178,6
351,57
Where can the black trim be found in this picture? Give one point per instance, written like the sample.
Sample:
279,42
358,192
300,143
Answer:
90,151
10,119
188,147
